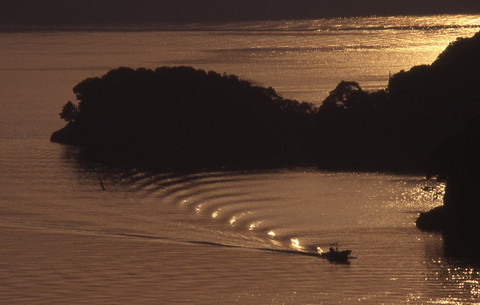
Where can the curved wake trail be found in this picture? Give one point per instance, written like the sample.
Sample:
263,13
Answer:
228,209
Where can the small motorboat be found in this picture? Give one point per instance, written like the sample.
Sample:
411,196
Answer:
334,255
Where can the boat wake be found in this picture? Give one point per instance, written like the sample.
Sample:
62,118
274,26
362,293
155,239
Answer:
233,209
62,229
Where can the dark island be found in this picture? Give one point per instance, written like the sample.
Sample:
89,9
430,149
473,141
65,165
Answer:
426,121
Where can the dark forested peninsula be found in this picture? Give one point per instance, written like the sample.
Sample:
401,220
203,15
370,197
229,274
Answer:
179,116
182,117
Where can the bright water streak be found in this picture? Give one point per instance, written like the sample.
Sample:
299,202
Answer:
222,237
172,237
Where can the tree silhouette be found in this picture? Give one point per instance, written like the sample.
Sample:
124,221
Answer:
174,115
69,112
345,96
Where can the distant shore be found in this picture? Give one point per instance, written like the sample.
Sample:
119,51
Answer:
79,12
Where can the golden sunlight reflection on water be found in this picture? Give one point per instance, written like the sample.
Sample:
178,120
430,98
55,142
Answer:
295,243
171,237
452,276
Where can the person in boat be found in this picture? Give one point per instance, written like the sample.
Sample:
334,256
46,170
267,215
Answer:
331,249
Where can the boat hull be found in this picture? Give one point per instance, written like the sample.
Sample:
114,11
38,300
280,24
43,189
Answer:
337,256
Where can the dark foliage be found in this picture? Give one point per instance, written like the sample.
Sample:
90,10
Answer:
69,112
181,115
398,128
457,162
428,118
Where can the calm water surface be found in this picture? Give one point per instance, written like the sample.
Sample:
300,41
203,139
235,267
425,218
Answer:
215,237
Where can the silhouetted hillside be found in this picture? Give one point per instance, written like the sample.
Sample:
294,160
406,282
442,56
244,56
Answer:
428,118
447,91
398,128
457,162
